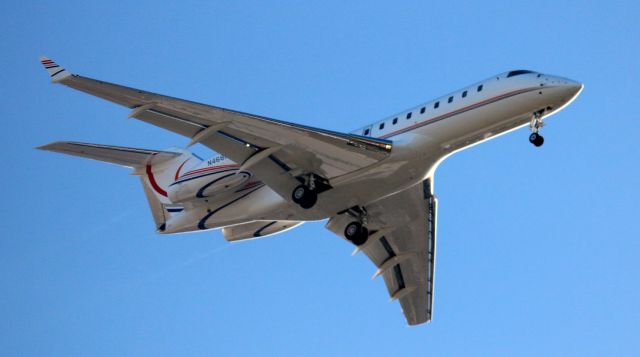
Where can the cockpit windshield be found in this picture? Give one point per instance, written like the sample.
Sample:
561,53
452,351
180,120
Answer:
518,72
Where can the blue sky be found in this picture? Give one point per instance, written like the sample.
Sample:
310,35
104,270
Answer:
538,248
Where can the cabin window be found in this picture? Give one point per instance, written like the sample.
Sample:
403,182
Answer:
395,121
436,105
381,126
464,94
450,99
422,110
480,88
409,115
366,131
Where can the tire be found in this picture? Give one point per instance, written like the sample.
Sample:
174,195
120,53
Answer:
533,137
539,141
299,193
356,233
303,196
309,200
352,230
362,237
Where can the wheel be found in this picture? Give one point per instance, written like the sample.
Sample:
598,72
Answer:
299,193
536,139
309,200
362,237
356,233
533,137
352,230
304,196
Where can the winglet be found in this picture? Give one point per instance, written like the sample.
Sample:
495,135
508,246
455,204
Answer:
56,72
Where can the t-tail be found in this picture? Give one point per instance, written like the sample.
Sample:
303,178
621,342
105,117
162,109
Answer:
157,170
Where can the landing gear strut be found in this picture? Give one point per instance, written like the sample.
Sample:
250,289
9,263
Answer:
536,124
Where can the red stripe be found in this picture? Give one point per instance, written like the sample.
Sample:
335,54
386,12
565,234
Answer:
204,170
208,169
154,184
47,62
458,111
180,168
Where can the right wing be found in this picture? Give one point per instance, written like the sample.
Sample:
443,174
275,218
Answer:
277,152
402,245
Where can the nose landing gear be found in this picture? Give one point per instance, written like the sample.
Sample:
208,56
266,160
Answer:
536,139
536,124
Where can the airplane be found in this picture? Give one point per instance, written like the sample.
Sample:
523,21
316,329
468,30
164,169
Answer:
374,185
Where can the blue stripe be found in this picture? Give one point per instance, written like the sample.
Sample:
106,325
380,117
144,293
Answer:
258,233
200,193
203,221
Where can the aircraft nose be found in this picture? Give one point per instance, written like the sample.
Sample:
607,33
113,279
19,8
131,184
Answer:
573,87
570,87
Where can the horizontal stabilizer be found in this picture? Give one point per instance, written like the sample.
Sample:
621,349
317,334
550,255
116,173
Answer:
118,155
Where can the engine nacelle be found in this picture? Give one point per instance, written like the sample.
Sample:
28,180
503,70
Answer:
210,179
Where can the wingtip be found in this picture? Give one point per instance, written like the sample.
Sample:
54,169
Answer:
43,147
56,72
49,146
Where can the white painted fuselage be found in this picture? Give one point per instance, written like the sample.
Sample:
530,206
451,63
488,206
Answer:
422,137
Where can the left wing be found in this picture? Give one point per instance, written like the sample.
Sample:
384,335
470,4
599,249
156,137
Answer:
276,151
402,245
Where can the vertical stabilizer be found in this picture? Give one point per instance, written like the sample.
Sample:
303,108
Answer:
156,178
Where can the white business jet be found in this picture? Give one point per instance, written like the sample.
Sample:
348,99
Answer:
374,185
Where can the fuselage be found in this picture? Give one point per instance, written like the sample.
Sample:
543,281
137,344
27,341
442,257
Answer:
422,137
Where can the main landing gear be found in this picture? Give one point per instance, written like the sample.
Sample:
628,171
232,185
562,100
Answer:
356,232
306,195
536,124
